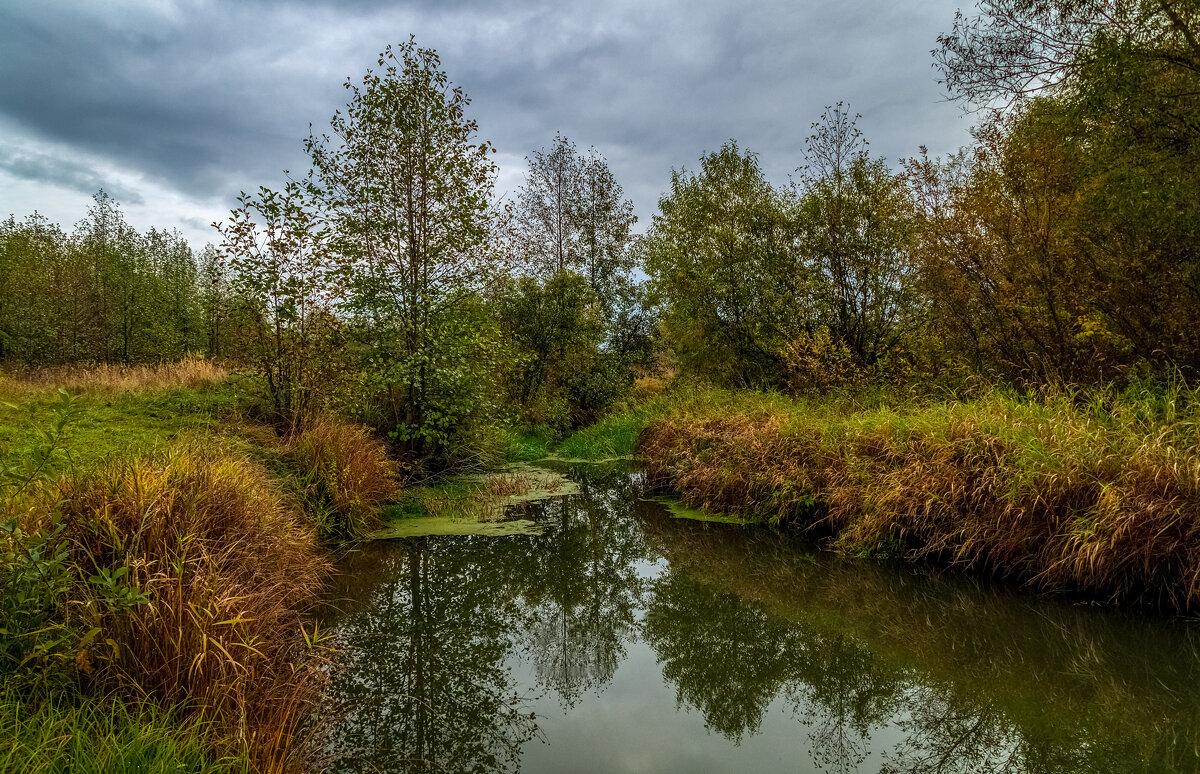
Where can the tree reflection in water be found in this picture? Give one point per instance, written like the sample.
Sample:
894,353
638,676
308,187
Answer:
423,683
887,670
580,600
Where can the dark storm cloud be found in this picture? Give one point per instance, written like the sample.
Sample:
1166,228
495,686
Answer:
207,98
42,167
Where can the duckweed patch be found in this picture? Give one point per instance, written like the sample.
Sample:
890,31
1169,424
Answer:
475,504
423,526
678,510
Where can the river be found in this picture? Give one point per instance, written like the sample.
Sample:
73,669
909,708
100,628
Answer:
625,640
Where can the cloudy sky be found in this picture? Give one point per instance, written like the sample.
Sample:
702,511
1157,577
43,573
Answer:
174,106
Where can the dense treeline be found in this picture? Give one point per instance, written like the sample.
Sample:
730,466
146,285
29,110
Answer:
1060,247
103,293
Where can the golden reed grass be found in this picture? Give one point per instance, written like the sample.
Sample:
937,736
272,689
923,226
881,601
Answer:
228,568
1046,495
345,474
111,378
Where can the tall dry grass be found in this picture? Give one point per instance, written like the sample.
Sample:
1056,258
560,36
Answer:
110,378
208,615
1095,494
345,475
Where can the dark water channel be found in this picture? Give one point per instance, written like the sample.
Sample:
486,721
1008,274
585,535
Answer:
624,640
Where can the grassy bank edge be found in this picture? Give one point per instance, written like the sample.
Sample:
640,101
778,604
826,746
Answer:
133,449
1093,493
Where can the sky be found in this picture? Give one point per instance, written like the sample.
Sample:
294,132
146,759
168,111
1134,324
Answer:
175,106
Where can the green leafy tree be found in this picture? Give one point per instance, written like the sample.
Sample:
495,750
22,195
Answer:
569,320
854,225
405,187
723,266
103,293
277,250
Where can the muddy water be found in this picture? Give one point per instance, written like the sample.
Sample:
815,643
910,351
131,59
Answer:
624,640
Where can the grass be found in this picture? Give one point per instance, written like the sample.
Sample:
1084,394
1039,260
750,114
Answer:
473,505
344,476
123,424
1096,493
167,560
197,572
613,437
105,379
104,737
528,445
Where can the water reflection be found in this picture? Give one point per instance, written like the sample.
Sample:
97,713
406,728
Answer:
455,649
424,683
579,601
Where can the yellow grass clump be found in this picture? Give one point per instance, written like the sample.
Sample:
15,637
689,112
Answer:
345,475
208,613
1102,499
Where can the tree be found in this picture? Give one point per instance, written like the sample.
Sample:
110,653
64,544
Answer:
854,221
547,205
723,266
103,293
1015,48
214,298
405,187
556,332
573,318
571,215
1100,128
278,252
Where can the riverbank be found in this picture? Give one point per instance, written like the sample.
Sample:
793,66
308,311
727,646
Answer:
161,558
1094,494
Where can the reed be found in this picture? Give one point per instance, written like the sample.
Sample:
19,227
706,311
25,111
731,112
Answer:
196,573
1096,493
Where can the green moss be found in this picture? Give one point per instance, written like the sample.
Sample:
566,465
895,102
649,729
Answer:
474,505
678,510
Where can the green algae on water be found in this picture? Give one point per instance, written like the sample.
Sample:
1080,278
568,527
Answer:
422,526
474,504
678,510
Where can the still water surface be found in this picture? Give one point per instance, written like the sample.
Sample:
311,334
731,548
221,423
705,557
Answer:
624,640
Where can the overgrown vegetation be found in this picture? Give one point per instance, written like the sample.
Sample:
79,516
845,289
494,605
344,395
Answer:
103,737
156,589
1091,492
986,359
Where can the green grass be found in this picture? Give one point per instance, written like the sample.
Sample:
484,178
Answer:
612,437
85,736
124,424
529,445
473,504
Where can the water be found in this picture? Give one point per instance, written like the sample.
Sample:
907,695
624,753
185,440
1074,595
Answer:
623,640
